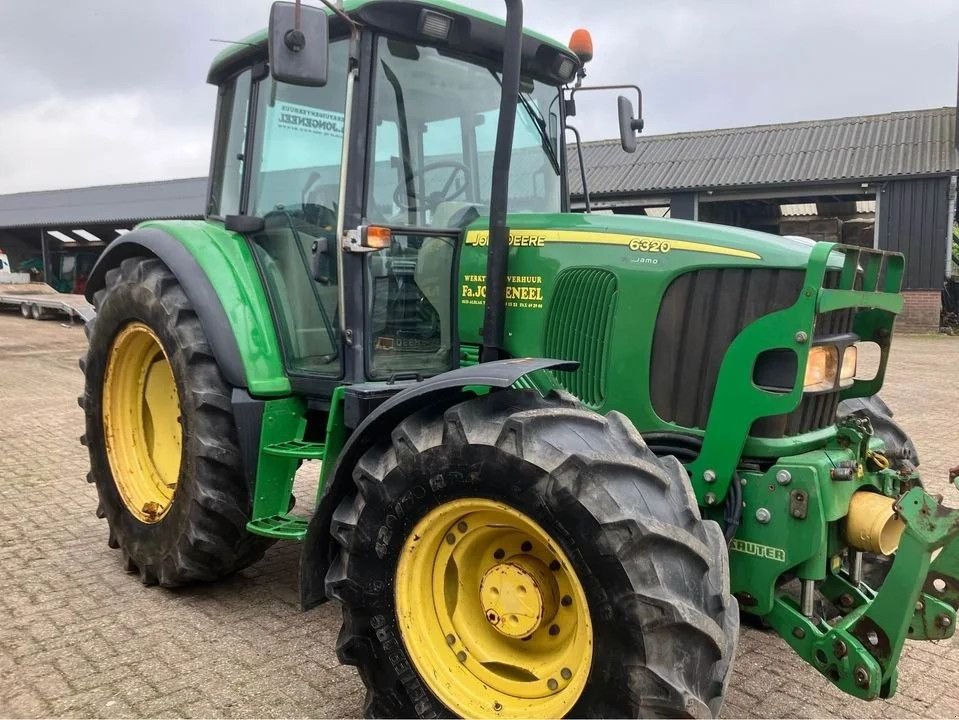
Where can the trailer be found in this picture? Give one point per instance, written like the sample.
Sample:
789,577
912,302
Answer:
39,301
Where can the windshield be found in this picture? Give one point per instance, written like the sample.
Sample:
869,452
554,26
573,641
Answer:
434,132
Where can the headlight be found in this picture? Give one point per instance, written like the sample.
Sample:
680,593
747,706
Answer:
824,364
847,373
821,368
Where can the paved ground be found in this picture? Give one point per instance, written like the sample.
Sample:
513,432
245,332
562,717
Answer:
80,638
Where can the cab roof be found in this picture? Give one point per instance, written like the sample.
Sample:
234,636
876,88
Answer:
487,30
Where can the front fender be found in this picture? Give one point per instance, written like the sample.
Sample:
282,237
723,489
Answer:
448,388
215,267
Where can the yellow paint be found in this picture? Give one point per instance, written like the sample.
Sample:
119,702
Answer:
872,523
141,423
636,243
492,613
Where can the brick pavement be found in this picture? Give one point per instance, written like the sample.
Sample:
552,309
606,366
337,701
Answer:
80,638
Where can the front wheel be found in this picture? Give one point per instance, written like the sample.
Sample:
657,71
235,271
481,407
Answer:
900,449
515,556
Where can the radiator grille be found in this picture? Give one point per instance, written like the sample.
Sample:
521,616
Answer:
701,313
815,411
578,328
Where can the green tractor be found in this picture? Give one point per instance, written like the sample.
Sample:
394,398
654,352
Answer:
560,452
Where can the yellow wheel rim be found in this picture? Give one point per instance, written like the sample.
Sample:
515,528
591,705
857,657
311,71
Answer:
492,613
141,423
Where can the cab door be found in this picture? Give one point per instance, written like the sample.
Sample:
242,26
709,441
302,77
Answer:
295,147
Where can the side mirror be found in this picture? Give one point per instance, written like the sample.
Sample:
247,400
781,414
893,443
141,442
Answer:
299,43
629,125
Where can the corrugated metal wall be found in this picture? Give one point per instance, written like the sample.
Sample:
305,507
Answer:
914,220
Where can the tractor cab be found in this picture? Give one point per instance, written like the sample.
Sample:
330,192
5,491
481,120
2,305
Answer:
355,191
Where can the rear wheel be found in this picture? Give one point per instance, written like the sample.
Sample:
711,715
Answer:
160,433
515,556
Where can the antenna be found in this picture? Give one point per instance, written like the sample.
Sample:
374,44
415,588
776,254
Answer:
232,42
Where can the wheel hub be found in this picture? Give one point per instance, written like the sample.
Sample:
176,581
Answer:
518,596
491,612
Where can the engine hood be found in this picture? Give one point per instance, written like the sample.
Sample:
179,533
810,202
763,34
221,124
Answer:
734,245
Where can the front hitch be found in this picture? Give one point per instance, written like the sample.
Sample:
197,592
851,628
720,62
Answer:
917,601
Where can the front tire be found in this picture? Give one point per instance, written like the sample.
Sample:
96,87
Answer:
625,537
900,449
160,433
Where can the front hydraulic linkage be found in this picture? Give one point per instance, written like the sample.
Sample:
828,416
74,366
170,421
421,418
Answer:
917,601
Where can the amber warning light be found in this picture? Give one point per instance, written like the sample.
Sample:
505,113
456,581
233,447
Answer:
581,43
376,237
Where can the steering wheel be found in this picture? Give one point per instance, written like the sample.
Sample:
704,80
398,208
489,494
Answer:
401,195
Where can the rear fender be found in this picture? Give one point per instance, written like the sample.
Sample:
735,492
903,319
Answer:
448,388
215,267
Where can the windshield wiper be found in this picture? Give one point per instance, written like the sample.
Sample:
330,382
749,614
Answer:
539,123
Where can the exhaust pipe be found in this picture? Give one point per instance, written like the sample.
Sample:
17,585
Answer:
873,524
495,310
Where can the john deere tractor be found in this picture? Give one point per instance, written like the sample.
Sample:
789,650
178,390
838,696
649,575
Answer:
560,452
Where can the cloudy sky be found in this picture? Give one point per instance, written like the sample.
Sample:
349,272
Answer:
109,91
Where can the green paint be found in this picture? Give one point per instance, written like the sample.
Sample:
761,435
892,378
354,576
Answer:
808,543
226,259
860,653
283,420
336,437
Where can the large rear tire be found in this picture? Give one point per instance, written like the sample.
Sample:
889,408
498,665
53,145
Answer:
160,433
617,528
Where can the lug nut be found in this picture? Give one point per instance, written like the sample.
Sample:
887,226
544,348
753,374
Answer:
450,639
499,554
461,656
554,566
566,601
566,673
554,629
552,684
461,526
451,539
526,546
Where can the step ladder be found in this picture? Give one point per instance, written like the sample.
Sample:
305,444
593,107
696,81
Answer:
283,525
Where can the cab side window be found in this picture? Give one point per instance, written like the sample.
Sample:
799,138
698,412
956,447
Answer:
227,171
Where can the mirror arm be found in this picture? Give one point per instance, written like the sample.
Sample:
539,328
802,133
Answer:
350,22
639,96
582,166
